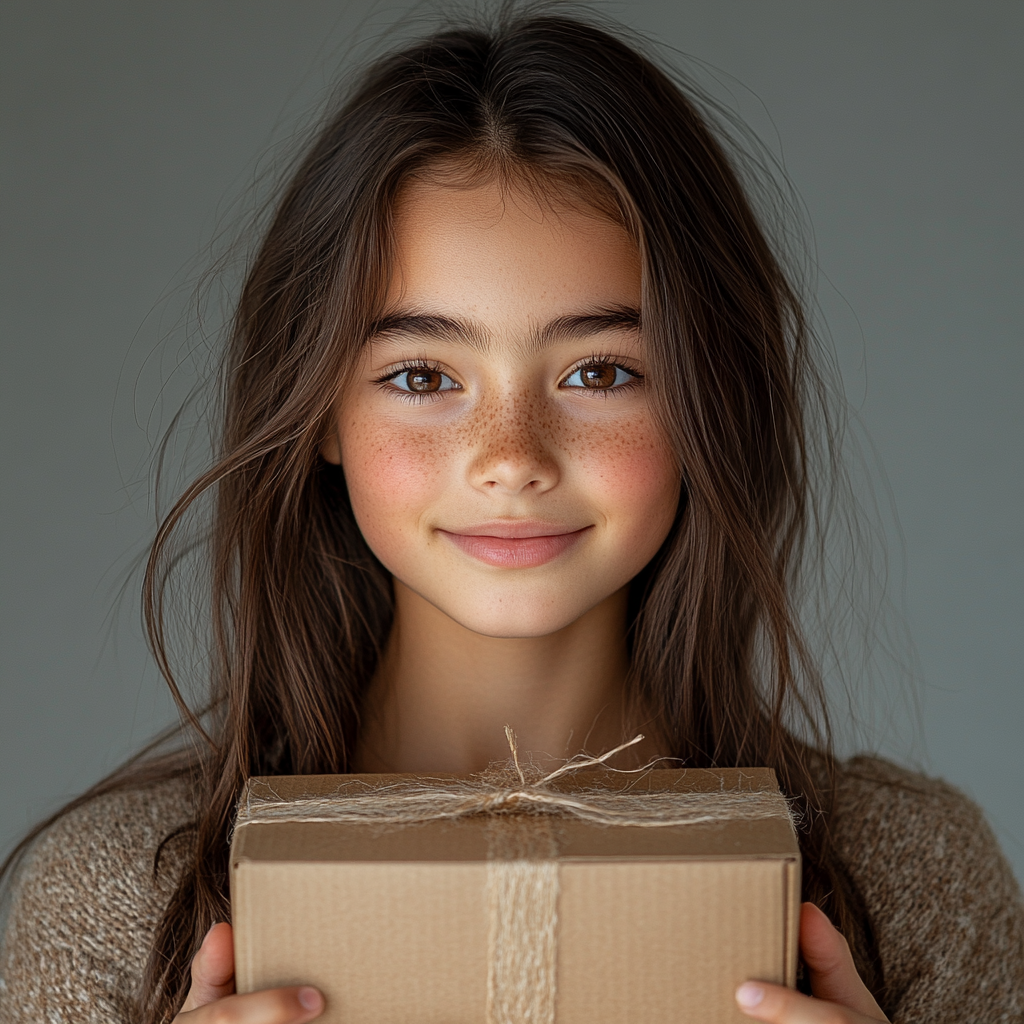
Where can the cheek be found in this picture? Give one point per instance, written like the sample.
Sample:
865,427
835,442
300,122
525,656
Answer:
632,471
392,473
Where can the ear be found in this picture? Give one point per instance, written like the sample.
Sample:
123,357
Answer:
330,446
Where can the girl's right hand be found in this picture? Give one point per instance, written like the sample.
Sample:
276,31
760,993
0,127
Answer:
212,999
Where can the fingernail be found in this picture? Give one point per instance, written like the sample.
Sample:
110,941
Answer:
311,999
749,994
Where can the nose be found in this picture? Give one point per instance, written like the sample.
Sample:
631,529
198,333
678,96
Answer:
514,453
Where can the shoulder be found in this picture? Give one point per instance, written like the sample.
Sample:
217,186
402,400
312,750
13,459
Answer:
907,818
944,904
84,903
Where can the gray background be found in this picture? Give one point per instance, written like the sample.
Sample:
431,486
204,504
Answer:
131,130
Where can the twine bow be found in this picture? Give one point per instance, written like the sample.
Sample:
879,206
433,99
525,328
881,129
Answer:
521,790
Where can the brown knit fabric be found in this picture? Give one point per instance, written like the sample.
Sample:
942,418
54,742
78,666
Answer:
945,906
83,908
947,911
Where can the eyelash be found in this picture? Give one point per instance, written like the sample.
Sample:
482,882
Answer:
603,359
597,359
416,397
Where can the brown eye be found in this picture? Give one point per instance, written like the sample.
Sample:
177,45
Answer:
423,380
601,376
598,375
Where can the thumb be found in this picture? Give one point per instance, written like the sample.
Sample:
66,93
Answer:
213,968
834,976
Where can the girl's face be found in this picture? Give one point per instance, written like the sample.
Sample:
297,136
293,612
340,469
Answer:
500,453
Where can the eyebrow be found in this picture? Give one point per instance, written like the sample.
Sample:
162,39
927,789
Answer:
461,331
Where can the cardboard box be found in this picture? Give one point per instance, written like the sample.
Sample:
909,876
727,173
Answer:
395,925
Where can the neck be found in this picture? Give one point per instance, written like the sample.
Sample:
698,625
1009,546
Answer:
443,694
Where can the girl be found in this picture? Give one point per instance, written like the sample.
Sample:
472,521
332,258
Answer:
515,431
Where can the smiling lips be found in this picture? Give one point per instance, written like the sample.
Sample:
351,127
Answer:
515,545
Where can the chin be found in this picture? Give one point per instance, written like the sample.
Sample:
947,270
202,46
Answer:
515,623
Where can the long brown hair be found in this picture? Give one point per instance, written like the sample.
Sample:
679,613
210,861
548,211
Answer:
300,608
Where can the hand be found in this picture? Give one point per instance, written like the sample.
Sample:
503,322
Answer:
840,997
212,1000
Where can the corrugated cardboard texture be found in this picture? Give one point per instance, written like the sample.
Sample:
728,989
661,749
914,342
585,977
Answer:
655,925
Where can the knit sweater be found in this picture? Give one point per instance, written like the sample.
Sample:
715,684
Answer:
947,912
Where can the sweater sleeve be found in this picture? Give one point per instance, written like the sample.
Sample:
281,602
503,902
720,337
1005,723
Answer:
945,907
83,908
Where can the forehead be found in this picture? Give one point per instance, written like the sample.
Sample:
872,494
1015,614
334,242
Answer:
493,249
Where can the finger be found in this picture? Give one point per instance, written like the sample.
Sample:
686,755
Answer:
780,1005
833,974
213,968
294,1005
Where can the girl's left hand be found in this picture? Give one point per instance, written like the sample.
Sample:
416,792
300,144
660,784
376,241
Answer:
840,997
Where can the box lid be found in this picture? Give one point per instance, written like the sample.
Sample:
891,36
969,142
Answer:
730,837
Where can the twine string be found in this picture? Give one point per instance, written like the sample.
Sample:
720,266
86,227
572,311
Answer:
522,919
519,789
